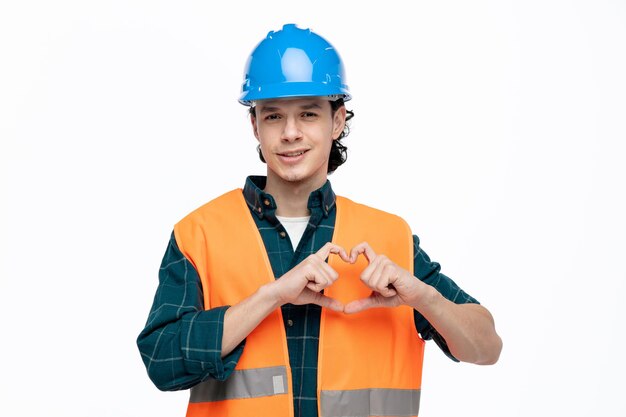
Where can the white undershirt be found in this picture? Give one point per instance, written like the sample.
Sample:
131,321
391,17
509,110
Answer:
295,227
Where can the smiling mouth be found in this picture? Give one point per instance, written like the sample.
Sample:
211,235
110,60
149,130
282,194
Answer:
293,154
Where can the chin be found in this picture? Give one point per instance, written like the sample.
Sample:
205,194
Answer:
295,175
292,177
289,175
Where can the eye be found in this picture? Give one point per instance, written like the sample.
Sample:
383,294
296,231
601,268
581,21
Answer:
272,116
309,115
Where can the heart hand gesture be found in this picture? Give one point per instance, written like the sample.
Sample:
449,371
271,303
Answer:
391,285
302,284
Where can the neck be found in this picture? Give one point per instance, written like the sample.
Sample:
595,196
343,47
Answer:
291,197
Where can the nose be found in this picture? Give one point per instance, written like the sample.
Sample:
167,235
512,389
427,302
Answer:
291,130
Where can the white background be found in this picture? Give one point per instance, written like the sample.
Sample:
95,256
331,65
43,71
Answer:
496,128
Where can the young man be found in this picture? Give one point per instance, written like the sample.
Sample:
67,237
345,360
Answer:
283,299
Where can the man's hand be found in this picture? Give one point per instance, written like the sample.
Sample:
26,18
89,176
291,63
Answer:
391,285
302,285
468,329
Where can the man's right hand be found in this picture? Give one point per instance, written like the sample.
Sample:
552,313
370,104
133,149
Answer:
302,284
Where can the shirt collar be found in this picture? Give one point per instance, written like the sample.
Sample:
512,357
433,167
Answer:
262,203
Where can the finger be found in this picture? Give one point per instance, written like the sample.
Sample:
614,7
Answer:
324,275
331,247
342,254
388,275
388,291
318,286
376,280
362,248
329,272
378,276
383,287
373,301
326,302
318,277
367,274
371,273
357,306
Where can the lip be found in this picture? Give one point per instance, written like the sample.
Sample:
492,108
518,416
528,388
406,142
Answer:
292,156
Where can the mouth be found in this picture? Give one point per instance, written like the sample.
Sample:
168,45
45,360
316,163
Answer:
292,157
293,154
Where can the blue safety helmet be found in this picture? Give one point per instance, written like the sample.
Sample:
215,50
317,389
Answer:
293,62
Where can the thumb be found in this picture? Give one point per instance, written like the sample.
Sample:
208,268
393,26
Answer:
374,300
357,306
325,301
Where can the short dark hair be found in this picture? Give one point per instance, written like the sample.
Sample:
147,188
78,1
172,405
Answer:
338,151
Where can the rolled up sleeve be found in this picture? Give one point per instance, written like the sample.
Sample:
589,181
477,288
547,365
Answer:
430,273
181,343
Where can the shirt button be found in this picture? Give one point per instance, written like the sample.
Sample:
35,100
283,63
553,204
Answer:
289,323
282,234
266,202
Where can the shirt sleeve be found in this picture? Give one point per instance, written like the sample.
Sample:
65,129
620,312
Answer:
429,272
181,343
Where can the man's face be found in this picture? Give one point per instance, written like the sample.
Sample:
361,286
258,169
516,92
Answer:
296,136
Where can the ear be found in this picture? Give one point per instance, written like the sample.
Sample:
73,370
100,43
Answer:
339,122
255,130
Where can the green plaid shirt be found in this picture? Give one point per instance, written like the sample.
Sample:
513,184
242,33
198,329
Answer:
181,342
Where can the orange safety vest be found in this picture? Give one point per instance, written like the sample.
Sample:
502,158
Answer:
369,364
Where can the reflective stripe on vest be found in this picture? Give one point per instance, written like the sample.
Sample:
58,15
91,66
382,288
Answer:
370,402
248,383
370,363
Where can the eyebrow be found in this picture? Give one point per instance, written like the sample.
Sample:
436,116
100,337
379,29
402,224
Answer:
270,108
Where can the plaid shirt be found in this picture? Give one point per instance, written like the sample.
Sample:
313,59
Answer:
181,342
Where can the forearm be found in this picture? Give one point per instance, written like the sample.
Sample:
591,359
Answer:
181,341
468,329
301,285
179,353
242,318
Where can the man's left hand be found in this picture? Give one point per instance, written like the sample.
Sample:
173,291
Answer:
391,285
